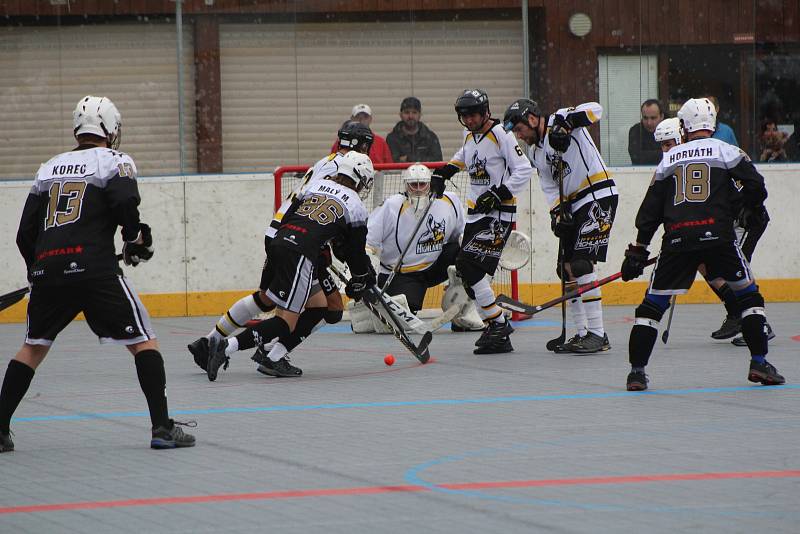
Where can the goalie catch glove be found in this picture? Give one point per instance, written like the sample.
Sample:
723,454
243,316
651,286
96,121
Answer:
139,250
492,199
358,284
634,263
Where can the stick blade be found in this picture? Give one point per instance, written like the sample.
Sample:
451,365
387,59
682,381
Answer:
422,353
12,298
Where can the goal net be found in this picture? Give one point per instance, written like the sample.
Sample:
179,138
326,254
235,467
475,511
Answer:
388,181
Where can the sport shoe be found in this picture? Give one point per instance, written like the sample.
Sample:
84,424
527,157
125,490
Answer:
216,357
494,332
199,349
590,343
6,445
282,367
567,345
731,326
637,381
495,347
764,373
174,437
740,342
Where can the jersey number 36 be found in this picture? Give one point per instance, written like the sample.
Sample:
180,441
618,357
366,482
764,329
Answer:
321,209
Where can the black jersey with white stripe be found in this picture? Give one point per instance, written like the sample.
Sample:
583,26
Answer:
77,201
697,191
323,211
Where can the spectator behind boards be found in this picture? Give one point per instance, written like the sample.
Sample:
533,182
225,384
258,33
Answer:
723,131
411,140
379,152
642,146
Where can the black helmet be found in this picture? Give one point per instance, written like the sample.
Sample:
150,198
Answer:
472,101
355,136
519,111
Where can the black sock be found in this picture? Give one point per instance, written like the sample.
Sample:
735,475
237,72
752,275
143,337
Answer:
755,334
150,369
728,297
305,324
263,332
15,385
640,345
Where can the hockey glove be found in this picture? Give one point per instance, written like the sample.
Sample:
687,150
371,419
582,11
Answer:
559,139
492,199
358,284
753,218
634,263
562,227
141,250
438,179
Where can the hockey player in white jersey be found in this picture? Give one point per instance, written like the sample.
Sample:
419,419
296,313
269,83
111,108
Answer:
353,136
430,251
498,171
590,198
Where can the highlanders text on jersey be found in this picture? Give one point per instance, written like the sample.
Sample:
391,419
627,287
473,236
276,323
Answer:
322,211
327,166
585,175
72,212
390,226
493,159
696,192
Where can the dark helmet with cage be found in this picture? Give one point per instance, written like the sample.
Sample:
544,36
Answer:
355,136
519,111
473,101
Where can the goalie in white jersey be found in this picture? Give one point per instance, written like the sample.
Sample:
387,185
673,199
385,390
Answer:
498,171
431,250
590,205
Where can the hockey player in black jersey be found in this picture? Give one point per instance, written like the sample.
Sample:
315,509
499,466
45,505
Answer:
66,236
328,209
696,193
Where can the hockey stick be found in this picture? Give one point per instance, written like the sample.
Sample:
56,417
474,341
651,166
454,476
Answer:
558,164
665,334
9,299
510,304
399,264
374,300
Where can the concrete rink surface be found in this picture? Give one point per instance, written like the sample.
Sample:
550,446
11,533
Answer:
523,442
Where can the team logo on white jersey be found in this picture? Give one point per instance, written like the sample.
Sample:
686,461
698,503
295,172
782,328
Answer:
433,238
477,171
564,163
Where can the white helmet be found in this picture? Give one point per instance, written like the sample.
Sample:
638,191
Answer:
97,115
358,167
417,180
668,130
698,114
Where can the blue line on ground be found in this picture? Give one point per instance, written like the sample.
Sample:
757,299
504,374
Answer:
430,402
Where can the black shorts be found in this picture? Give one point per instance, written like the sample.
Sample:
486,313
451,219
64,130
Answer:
675,271
324,281
483,243
593,223
290,276
112,308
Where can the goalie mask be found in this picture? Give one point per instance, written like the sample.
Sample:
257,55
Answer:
668,132
355,136
417,181
698,114
98,116
358,167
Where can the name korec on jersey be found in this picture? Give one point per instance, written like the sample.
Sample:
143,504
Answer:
61,170
702,152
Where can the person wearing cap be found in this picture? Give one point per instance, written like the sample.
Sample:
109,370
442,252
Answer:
411,140
379,151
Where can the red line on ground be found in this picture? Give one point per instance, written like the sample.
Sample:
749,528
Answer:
376,490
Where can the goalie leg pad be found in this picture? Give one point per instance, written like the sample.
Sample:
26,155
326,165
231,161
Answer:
360,318
469,319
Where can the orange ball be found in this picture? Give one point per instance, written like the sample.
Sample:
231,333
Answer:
388,359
